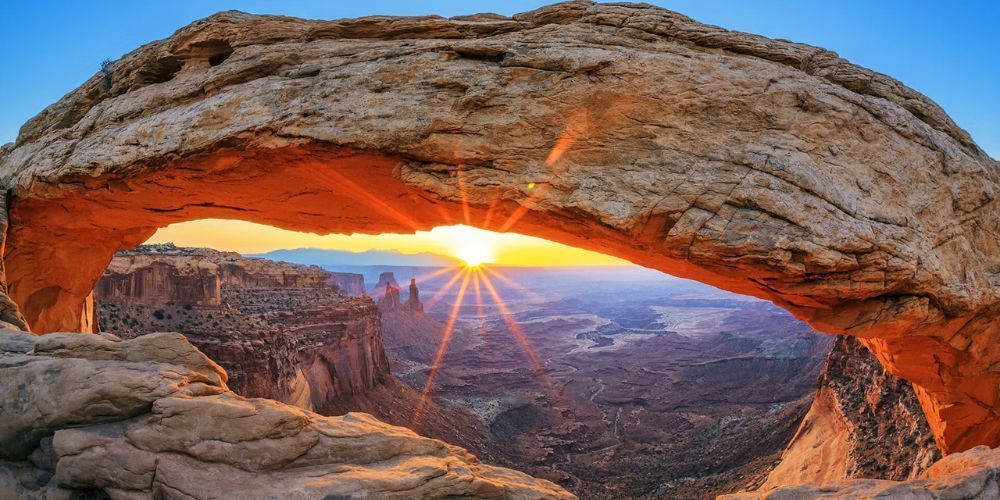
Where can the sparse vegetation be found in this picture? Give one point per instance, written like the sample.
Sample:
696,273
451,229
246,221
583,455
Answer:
107,74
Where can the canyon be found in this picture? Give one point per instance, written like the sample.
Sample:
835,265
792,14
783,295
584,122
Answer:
281,331
763,167
705,388
637,384
152,417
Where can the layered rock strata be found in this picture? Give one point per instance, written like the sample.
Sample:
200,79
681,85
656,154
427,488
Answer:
152,417
282,331
761,166
352,284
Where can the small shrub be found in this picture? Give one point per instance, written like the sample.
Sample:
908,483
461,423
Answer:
106,74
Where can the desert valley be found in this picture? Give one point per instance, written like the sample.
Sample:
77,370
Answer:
588,250
612,382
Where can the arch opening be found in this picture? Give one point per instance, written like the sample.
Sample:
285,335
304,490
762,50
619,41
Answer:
759,166
63,237
616,372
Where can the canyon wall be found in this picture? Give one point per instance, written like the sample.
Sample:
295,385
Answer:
282,331
760,166
350,283
152,417
161,283
864,423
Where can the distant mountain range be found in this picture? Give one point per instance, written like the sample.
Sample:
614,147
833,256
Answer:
323,257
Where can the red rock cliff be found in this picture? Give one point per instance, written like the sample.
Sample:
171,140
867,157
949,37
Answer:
281,331
864,423
350,283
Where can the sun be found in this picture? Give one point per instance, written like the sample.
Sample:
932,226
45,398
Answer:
474,255
473,246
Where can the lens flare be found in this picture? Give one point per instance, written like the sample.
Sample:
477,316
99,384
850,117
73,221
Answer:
442,347
475,249
474,256
473,246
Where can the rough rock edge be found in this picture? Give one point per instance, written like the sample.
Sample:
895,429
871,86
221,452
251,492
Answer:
188,436
910,265
970,475
10,314
627,17
874,414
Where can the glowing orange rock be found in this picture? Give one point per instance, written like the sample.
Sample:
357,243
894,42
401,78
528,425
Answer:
759,166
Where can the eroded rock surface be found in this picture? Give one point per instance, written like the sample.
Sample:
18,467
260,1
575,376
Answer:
971,475
152,417
761,166
282,331
863,423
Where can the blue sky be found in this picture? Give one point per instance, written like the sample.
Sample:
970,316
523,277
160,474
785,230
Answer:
946,50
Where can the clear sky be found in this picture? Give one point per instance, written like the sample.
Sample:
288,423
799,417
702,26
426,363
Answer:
467,243
949,51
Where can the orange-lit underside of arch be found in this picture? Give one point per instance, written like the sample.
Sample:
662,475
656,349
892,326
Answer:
62,239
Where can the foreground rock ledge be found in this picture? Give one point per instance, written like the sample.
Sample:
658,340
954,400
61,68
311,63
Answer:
971,475
761,166
152,417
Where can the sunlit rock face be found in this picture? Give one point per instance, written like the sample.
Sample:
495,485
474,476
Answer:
282,331
156,278
863,423
152,417
970,475
763,167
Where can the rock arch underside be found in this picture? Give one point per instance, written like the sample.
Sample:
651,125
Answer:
759,166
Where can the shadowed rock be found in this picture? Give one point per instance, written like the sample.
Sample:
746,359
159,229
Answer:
760,166
151,417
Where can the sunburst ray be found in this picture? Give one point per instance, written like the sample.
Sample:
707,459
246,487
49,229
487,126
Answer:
442,348
444,289
361,194
476,284
522,339
513,284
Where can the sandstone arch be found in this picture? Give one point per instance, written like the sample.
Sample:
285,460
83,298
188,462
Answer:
763,167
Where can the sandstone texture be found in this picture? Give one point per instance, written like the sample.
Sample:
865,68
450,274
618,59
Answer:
352,284
761,166
970,475
278,331
863,423
282,331
151,417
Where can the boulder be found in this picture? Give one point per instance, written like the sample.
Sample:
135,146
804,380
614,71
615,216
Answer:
151,417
